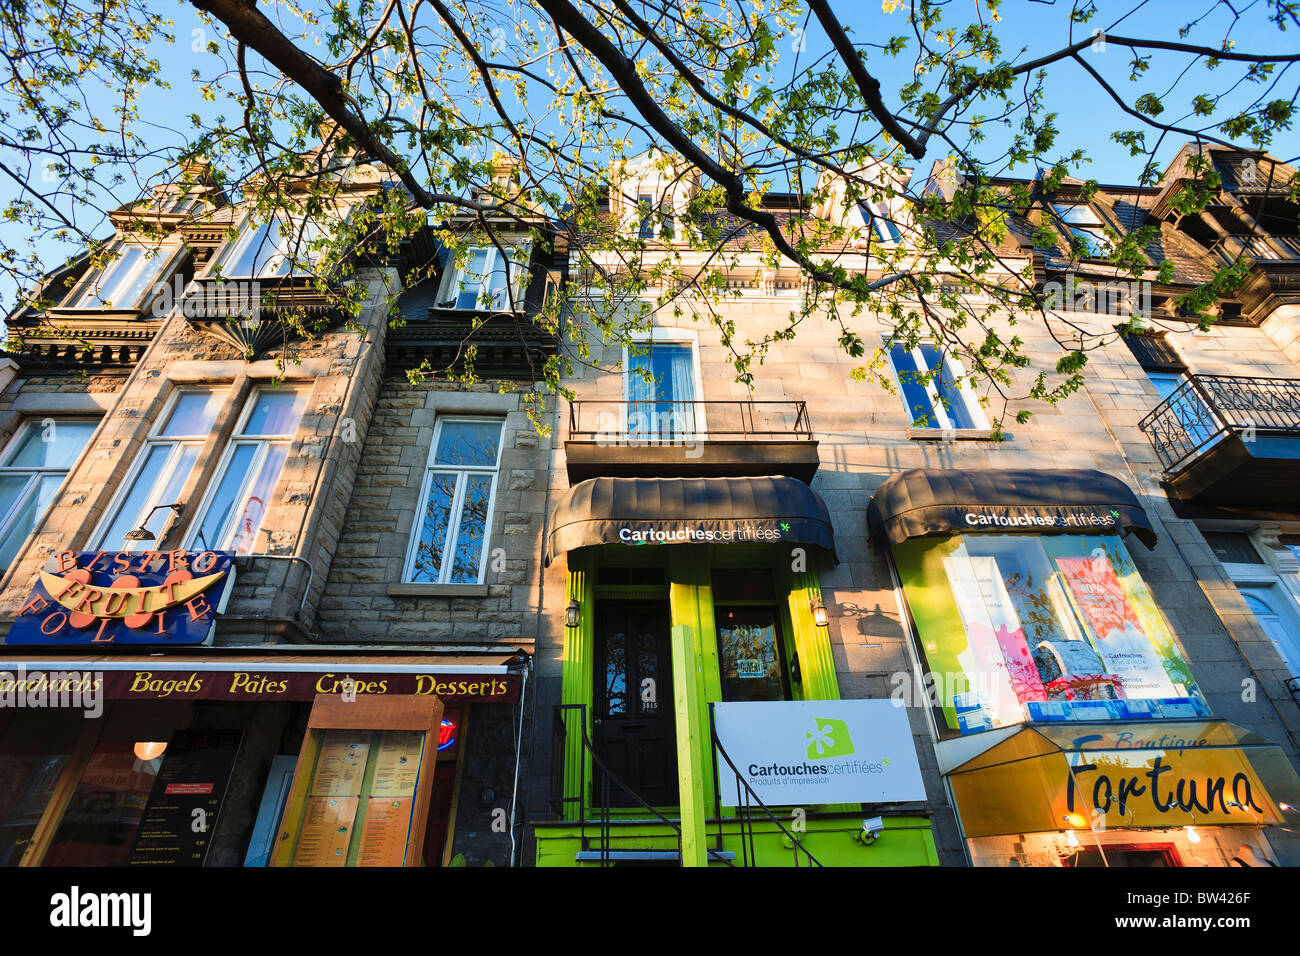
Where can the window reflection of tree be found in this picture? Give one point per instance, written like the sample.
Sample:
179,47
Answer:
616,673
433,536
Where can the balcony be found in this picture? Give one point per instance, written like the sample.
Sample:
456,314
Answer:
1265,248
1230,441
690,439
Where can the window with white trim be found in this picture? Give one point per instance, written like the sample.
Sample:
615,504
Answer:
32,469
486,280
160,472
449,544
934,388
1084,226
272,249
662,388
231,518
880,219
125,281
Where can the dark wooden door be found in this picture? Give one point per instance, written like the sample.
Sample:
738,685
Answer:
633,730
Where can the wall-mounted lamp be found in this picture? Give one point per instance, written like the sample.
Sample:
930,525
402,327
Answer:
1071,839
1192,835
573,614
142,533
820,617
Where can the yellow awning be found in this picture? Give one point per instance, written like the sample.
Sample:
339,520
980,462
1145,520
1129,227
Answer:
1124,775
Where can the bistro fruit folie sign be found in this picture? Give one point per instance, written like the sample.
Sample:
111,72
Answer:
126,597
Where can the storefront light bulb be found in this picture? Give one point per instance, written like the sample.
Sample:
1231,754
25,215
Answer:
1070,838
573,613
1192,835
820,618
150,749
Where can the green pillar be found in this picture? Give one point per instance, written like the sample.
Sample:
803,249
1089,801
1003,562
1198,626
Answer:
690,760
577,686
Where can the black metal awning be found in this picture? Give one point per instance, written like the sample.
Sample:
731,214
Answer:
642,511
927,502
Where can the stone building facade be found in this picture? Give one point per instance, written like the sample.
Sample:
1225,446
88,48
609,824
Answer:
846,439
302,457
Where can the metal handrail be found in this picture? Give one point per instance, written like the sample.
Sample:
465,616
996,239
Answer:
1204,408
693,423
751,799
606,777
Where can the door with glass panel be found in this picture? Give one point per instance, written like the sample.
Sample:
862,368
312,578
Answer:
633,728
1186,404
661,398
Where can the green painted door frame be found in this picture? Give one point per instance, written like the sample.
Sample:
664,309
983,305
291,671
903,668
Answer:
697,679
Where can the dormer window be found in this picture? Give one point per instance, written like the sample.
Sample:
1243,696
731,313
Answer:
655,220
1085,227
125,281
272,249
878,217
486,280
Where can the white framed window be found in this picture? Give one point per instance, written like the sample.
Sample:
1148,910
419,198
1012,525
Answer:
32,469
160,472
125,281
449,543
668,406
231,516
486,280
880,219
1085,225
272,248
934,388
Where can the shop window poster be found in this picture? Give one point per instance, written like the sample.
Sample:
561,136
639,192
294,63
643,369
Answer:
1021,627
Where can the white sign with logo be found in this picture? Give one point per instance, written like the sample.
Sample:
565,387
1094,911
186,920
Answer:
815,752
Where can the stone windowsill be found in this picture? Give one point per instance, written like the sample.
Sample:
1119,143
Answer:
437,590
954,434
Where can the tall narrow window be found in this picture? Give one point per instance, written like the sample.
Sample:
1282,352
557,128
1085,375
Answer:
164,465
487,280
32,469
933,388
232,516
449,545
661,392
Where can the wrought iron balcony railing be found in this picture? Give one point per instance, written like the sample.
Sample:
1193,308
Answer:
1205,408
667,422
1258,247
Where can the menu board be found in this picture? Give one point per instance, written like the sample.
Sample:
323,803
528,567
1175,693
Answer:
383,837
341,765
326,831
397,765
360,799
181,813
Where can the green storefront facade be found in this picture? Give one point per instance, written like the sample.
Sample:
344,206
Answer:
655,634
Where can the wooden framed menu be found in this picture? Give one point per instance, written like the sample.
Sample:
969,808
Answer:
360,792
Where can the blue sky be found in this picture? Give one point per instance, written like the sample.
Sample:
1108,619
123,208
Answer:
1087,115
